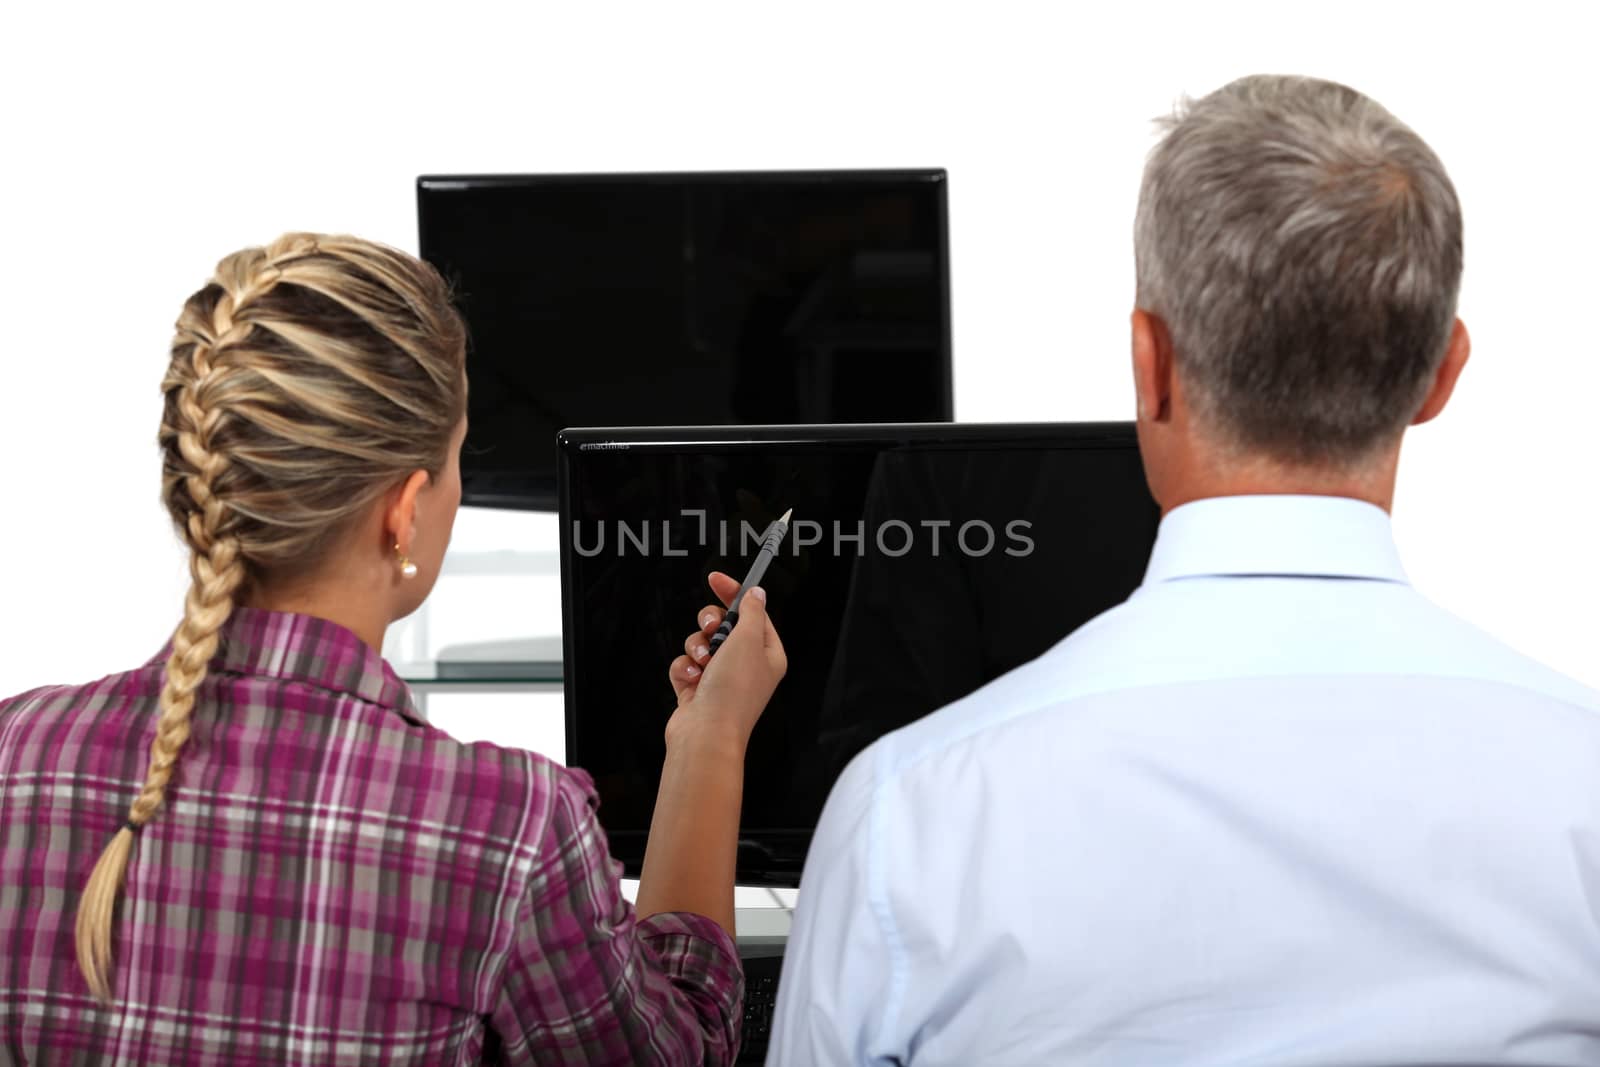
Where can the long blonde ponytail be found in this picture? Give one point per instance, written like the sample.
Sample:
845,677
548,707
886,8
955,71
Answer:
305,379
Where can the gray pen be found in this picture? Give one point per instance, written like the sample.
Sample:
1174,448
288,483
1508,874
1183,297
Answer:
768,549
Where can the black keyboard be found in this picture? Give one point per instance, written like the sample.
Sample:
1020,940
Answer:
760,998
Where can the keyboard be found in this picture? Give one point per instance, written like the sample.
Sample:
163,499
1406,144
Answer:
760,998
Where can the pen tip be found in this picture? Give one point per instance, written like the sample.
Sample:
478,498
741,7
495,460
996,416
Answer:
786,515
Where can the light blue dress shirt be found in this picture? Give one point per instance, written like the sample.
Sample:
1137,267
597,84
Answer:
1275,809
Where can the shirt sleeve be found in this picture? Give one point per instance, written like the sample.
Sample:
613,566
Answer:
588,982
836,997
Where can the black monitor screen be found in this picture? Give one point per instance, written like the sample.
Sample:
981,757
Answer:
687,299
920,563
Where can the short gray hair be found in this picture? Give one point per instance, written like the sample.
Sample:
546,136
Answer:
1303,247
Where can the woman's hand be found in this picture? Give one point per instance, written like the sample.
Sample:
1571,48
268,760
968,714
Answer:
689,861
727,694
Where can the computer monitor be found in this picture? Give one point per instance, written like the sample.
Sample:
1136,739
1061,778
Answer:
921,562
673,299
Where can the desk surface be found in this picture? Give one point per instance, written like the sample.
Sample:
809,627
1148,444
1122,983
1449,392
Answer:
758,928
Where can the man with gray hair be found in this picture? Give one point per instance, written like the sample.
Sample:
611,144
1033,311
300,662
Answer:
1276,808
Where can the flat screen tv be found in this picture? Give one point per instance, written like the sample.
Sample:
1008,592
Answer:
921,562
687,299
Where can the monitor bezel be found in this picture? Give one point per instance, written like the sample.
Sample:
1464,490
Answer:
546,497
753,865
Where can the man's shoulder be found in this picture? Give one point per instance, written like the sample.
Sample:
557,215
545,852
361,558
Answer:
1076,667
1201,633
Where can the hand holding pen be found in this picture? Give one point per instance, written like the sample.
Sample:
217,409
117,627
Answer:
768,549
736,691
694,830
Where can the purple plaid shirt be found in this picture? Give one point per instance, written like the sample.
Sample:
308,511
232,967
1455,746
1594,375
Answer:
332,881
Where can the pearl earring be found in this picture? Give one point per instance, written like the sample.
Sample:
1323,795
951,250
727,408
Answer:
407,568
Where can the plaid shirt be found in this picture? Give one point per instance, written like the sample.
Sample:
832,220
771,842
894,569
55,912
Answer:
332,881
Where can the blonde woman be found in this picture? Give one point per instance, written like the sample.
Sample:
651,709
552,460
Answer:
252,850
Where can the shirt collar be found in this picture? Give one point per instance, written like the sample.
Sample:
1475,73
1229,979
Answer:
1299,536
307,649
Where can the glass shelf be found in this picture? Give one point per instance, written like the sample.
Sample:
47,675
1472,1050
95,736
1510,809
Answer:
493,620
476,674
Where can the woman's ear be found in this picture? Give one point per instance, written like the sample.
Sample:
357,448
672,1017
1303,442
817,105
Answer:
400,519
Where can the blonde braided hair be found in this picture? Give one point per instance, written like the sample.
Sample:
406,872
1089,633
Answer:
306,379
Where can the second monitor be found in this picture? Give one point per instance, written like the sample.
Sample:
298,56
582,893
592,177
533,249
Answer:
674,299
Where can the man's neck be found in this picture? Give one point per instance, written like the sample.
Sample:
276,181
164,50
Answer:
1216,475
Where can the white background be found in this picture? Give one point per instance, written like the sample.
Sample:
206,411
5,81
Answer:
141,142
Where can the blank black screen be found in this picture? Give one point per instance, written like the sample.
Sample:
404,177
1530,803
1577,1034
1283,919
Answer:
652,300
974,557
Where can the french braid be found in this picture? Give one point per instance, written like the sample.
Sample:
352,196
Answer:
305,379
